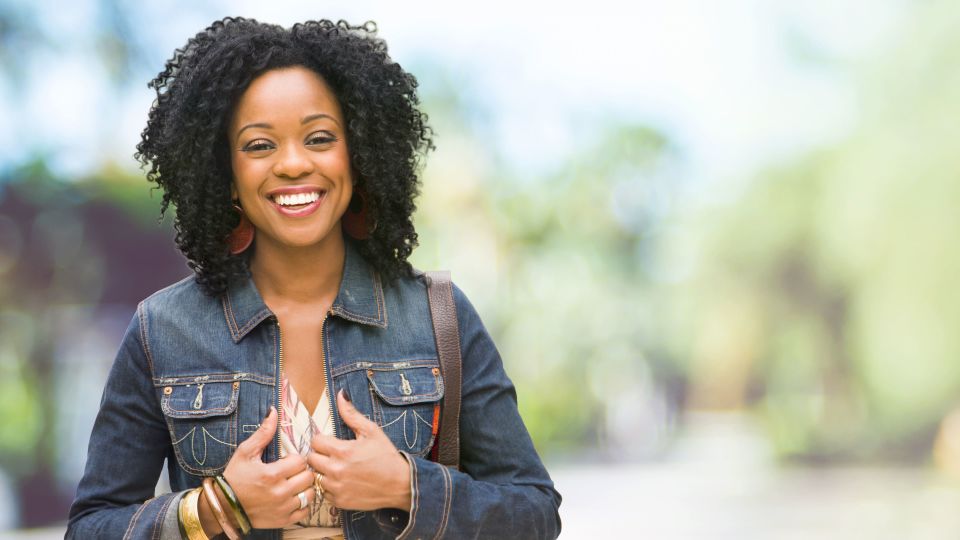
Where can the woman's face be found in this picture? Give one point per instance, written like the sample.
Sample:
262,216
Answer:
291,168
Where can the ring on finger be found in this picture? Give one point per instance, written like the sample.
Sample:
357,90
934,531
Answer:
317,484
303,499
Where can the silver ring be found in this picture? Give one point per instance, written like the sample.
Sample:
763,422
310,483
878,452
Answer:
303,499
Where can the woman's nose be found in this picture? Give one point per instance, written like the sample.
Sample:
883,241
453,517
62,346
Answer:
293,162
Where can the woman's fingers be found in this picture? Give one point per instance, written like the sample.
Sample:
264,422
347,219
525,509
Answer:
300,515
253,447
288,466
360,424
320,463
270,492
294,505
327,445
301,481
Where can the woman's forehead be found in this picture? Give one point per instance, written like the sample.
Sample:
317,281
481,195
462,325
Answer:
290,94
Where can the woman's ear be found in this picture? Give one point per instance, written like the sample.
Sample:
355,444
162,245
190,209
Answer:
233,192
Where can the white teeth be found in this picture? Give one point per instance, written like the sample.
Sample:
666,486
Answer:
296,199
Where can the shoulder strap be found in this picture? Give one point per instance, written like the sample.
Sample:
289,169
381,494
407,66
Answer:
447,333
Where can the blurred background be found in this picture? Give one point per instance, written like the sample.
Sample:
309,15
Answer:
714,241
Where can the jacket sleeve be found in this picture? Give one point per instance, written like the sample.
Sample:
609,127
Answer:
127,447
503,489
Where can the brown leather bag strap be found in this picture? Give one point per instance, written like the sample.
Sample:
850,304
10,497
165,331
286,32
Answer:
443,311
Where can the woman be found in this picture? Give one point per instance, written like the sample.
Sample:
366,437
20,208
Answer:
298,365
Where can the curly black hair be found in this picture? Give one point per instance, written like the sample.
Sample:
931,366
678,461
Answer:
184,146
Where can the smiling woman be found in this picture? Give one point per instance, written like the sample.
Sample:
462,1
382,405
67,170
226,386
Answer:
294,383
290,162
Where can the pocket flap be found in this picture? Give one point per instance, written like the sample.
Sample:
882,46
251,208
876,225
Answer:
407,385
200,400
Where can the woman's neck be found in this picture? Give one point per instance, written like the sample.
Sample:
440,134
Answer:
285,275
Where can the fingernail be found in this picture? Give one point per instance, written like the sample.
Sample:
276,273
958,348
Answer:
346,395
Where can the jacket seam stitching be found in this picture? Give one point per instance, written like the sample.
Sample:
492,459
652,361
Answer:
416,499
361,318
255,320
157,522
134,519
144,344
378,294
416,487
447,500
228,314
182,461
386,396
386,365
213,378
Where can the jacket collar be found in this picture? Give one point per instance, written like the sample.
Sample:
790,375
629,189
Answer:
360,298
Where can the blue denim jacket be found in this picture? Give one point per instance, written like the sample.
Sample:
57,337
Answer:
195,375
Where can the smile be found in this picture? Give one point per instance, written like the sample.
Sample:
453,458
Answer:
299,203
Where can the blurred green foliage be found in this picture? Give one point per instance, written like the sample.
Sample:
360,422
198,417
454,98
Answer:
825,293
556,272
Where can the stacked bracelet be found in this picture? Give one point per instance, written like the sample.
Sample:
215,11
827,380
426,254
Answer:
214,502
238,513
190,526
183,530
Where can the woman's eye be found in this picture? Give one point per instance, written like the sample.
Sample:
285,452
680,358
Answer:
323,137
257,146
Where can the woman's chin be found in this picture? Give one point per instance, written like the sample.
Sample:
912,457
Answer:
306,242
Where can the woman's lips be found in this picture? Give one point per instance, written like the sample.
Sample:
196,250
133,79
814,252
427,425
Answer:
300,210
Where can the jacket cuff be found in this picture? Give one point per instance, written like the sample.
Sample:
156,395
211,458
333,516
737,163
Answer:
429,521
169,527
151,516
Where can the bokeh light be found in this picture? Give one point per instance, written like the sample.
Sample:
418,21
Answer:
714,243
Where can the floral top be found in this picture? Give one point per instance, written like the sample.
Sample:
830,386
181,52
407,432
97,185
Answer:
297,427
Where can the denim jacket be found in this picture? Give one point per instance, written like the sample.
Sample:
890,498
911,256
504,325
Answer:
195,375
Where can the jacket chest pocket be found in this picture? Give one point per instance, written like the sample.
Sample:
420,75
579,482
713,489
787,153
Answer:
405,403
202,420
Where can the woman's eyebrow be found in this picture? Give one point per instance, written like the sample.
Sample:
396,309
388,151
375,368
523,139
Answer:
257,125
312,117
303,121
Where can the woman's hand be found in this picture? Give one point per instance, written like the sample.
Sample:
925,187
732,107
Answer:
366,473
268,491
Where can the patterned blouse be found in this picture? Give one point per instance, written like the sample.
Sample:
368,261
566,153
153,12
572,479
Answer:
297,427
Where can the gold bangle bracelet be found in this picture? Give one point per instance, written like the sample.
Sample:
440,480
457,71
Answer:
190,515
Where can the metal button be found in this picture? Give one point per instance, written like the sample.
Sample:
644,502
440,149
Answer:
167,390
394,518
236,385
